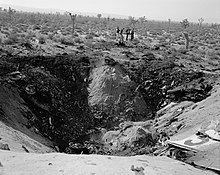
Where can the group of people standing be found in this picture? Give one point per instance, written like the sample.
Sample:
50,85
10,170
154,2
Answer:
128,31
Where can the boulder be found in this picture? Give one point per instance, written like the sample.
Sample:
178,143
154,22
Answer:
4,146
111,89
130,136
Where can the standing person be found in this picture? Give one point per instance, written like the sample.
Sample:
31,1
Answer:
121,36
132,34
117,32
127,33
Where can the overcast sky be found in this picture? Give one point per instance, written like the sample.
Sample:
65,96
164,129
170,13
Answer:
152,9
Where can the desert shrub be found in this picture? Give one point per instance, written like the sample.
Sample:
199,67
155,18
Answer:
201,51
8,41
6,32
22,35
217,52
15,30
12,38
112,37
23,27
140,37
78,40
65,33
94,34
44,32
136,41
69,29
30,35
56,38
89,36
67,41
50,29
50,36
21,20
42,39
212,54
75,34
36,27
213,41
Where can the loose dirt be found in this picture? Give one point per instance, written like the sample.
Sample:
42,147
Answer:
55,163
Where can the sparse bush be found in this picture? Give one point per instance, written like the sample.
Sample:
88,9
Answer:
112,37
12,39
30,35
67,41
22,35
78,40
50,36
44,32
217,52
57,37
36,27
26,43
15,30
89,36
133,21
212,54
136,41
7,33
94,34
200,21
75,34
42,39
99,16
184,23
140,37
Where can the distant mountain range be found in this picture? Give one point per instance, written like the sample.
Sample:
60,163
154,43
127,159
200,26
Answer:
42,10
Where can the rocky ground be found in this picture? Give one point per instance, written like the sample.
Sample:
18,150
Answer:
90,95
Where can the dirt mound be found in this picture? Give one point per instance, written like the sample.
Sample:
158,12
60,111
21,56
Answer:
129,139
15,113
34,164
17,141
112,91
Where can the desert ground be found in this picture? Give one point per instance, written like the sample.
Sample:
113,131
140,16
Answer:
76,99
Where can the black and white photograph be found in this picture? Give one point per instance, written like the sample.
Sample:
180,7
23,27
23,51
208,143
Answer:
109,87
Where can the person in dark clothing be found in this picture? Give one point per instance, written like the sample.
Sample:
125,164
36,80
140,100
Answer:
117,33
132,34
121,36
117,30
127,33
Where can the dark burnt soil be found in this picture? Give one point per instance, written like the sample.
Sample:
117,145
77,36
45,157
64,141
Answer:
162,80
54,88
